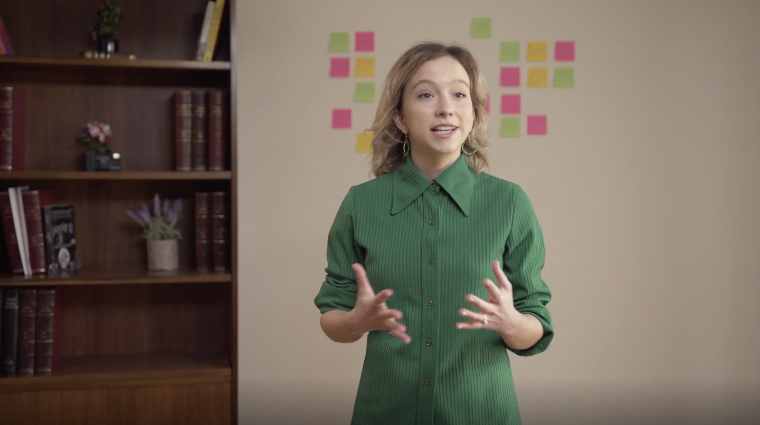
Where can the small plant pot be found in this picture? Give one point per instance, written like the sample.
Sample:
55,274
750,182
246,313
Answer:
108,45
162,255
95,161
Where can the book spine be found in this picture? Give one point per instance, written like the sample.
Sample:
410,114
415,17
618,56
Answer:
183,129
213,32
44,330
217,130
7,48
10,331
6,128
19,130
14,255
34,200
202,231
201,48
27,316
200,131
219,230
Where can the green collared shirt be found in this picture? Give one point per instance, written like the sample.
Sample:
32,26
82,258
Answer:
433,242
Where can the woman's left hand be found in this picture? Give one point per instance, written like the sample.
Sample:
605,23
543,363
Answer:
498,313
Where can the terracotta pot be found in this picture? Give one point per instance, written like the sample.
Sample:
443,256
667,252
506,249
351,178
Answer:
162,255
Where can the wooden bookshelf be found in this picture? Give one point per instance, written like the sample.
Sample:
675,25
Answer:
134,346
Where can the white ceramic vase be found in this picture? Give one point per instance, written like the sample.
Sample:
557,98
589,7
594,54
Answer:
162,255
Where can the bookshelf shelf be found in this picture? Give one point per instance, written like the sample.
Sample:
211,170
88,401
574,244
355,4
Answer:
33,62
115,175
84,277
125,370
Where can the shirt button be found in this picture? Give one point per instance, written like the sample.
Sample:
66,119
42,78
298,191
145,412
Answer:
430,302
431,222
429,342
427,382
430,261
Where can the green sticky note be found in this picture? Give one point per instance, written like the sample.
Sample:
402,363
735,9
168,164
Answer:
481,28
365,92
338,41
510,126
564,77
510,52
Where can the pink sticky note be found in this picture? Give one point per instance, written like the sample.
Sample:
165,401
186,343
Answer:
488,103
365,41
564,51
340,67
536,125
510,76
510,104
341,118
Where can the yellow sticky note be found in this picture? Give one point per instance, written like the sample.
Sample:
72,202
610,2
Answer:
537,51
365,67
363,142
538,77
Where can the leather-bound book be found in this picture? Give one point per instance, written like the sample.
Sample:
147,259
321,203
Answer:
14,255
220,233
10,331
45,330
12,128
183,129
202,231
34,200
217,130
27,315
200,131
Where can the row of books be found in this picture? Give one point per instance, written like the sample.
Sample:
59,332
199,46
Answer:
28,330
12,128
211,231
212,20
39,234
200,130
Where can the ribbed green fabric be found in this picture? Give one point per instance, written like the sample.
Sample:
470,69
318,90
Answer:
435,241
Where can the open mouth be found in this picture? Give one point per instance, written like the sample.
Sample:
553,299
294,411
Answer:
443,129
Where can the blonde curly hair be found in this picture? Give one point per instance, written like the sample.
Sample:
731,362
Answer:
387,139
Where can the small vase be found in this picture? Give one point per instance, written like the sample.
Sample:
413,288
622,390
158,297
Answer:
162,255
108,45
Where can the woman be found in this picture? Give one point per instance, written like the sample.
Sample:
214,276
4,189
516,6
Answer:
413,256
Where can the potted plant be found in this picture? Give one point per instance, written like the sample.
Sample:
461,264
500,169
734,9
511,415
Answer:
99,157
103,30
160,230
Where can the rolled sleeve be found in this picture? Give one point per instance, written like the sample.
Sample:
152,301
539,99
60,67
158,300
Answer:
524,259
338,291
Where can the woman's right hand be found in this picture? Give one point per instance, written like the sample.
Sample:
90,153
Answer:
371,313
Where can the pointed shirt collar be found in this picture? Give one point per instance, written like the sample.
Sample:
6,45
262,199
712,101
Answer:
409,183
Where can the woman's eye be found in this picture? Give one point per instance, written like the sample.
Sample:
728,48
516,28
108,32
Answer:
460,95
425,96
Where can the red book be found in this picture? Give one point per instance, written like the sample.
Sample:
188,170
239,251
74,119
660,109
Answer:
34,200
14,255
46,330
12,128
6,47
219,239
217,130
200,131
183,129
202,231
27,316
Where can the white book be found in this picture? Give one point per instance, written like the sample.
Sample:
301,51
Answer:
201,49
19,224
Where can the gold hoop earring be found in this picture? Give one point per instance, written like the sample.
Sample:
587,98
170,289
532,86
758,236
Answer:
405,146
473,141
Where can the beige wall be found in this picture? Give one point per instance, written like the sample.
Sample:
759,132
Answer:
646,188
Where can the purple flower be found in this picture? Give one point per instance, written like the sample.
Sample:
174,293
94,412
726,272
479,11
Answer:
134,217
144,214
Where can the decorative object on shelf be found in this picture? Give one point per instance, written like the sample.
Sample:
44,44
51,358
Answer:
103,30
94,54
160,230
99,157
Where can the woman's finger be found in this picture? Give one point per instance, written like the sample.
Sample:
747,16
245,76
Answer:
479,304
383,296
363,286
504,283
496,293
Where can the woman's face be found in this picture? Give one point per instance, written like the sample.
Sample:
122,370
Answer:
437,111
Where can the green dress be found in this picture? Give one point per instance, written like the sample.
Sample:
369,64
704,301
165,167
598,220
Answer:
433,242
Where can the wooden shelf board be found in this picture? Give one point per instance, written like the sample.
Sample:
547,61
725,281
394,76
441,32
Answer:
116,277
116,175
124,370
43,62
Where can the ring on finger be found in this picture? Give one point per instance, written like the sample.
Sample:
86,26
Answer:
485,320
